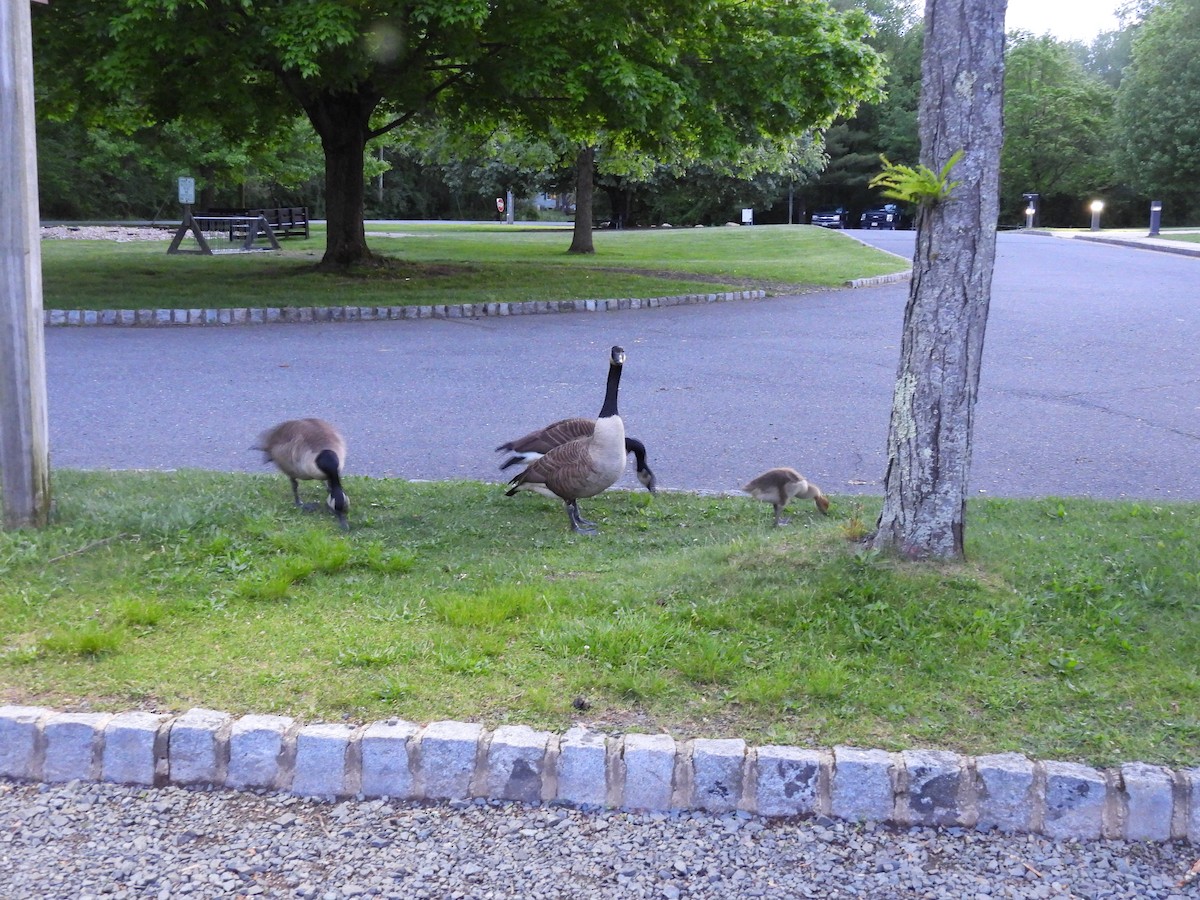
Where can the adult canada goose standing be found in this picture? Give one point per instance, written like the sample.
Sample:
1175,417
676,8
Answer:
309,449
535,445
778,486
585,466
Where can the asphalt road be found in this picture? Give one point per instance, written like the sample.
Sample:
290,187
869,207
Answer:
1090,383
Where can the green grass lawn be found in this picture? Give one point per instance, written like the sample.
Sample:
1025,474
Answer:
1071,633
459,264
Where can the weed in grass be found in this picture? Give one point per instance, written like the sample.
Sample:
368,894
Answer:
486,607
374,557
277,581
709,659
392,690
89,640
140,613
365,659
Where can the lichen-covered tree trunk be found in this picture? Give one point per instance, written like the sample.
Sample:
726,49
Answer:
929,436
585,169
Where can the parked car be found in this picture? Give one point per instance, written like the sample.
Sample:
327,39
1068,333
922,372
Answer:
831,217
888,217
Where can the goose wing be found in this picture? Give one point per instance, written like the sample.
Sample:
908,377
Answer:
551,436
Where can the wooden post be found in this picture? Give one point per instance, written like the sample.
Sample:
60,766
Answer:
24,431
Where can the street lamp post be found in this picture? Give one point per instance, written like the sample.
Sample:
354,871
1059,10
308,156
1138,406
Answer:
1029,211
1155,217
1097,207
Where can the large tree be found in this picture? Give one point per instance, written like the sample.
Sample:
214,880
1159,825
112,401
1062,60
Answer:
932,419
1159,130
697,81
887,125
682,70
356,70
1057,121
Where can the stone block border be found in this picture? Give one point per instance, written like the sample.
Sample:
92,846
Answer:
144,318
459,761
161,318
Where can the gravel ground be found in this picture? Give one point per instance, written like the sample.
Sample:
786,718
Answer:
120,233
86,840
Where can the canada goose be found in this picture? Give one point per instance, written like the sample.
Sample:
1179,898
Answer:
587,465
309,449
778,486
535,444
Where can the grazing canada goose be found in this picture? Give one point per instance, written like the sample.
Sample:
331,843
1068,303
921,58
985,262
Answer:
534,446
585,466
778,486
309,449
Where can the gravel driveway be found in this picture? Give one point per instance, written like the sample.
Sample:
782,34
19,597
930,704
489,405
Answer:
79,841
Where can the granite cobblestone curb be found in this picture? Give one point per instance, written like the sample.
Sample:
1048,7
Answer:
143,318
652,772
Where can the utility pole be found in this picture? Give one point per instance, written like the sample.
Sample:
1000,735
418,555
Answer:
24,430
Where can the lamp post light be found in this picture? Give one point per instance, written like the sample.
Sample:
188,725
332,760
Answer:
1097,207
1155,217
1031,207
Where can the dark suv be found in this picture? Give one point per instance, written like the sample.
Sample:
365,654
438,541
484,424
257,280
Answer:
887,217
831,217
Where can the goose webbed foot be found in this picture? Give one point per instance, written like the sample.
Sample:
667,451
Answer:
308,507
579,523
779,518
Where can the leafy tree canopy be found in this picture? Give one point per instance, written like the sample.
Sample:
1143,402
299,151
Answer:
699,74
1159,143
1056,118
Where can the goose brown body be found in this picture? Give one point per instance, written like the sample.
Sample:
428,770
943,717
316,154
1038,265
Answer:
778,486
533,446
587,465
308,450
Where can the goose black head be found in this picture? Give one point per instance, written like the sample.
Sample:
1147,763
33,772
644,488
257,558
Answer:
339,505
618,356
646,477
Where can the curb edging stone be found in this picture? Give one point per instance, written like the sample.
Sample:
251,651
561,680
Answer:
459,761
272,315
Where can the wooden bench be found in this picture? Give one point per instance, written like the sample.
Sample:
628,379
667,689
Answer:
285,221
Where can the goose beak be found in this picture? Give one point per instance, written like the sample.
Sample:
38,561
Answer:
338,506
646,477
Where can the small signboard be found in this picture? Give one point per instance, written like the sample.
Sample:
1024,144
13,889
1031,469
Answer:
187,191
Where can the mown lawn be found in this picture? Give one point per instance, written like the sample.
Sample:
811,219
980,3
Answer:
1071,633
438,264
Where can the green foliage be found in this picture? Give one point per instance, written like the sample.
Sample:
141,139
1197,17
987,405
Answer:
683,80
1057,123
886,125
918,185
1158,130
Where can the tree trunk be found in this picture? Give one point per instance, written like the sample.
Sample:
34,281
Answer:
343,123
929,436
581,236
